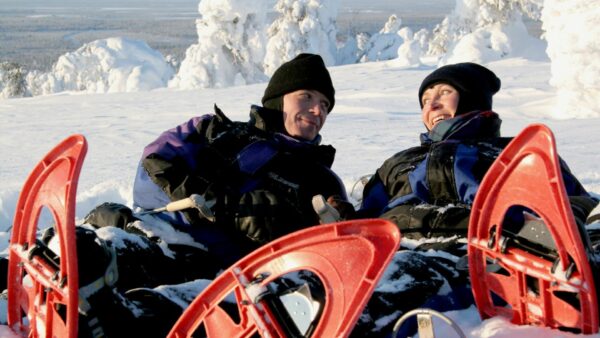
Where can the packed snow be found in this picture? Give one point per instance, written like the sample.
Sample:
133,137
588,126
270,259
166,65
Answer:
129,101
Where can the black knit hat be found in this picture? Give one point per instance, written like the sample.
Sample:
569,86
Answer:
305,71
475,84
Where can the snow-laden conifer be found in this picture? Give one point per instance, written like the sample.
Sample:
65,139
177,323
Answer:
230,46
302,26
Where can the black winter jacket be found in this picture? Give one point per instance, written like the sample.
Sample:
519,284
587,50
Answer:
261,179
428,190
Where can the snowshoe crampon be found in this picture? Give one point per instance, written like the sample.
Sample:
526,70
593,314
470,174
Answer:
43,290
541,274
347,257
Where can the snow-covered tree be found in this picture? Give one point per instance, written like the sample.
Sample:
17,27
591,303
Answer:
409,52
12,80
491,23
422,37
353,49
348,53
230,48
391,42
302,26
383,45
106,65
571,28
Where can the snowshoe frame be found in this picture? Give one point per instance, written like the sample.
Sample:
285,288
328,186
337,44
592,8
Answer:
38,290
527,173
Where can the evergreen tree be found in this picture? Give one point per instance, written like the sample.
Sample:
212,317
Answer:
12,80
302,26
470,15
383,45
230,46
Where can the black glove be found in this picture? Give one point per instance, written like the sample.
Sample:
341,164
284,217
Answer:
344,208
258,215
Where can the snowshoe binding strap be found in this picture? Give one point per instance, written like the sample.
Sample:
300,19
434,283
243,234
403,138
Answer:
106,280
425,323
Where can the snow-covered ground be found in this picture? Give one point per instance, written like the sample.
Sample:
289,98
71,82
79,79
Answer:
376,115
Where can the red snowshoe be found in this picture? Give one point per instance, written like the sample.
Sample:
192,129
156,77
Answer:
539,273
43,295
347,257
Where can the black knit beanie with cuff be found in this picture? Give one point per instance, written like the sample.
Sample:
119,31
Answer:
475,84
305,71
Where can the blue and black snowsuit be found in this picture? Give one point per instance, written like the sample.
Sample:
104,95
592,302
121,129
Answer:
262,180
428,191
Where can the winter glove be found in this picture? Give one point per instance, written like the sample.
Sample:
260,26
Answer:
258,215
344,208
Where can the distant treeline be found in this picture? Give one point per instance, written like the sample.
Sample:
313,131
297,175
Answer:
37,42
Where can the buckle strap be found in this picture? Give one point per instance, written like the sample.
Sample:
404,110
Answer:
109,278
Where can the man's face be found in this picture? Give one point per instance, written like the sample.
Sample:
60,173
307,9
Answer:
304,113
439,103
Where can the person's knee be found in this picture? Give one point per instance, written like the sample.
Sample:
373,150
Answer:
110,214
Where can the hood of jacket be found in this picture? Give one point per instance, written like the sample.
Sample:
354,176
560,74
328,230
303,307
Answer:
271,120
271,123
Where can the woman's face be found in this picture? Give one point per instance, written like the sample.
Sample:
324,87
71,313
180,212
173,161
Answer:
439,103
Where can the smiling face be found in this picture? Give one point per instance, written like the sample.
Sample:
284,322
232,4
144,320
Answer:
304,113
439,103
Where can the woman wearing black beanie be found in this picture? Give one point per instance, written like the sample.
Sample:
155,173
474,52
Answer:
473,84
428,190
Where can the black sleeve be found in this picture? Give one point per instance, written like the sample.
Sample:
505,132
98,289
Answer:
582,206
173,177
174,173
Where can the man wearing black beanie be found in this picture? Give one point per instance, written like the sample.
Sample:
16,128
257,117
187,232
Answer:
305,71
297,84
262,174
257,180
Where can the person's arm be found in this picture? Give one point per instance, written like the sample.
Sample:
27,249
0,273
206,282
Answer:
426,220
582,203
176,165
374,199
171,161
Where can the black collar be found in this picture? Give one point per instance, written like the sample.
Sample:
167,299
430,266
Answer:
473,125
